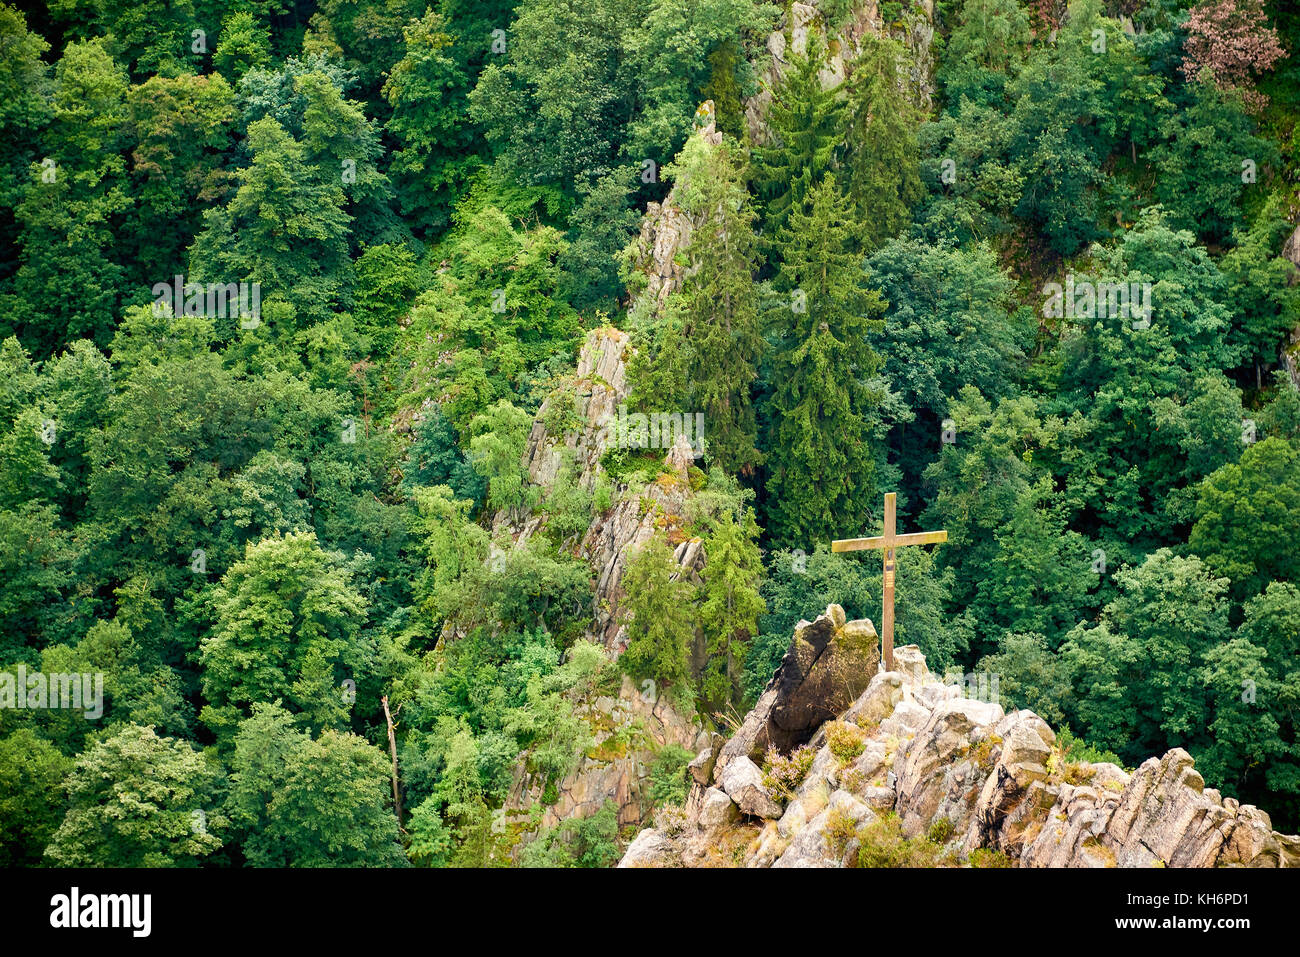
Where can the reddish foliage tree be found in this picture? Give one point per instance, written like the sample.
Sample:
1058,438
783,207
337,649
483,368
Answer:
1233,39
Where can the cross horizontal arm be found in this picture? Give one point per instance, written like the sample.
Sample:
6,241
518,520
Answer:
881,541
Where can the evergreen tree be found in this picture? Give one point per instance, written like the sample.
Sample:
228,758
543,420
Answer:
729,613
712,336
723,89
660,620
806,124
881,156
824,404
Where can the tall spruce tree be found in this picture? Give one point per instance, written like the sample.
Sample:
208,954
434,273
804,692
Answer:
717,312
732,604
881,154
806,125
822,407
660,620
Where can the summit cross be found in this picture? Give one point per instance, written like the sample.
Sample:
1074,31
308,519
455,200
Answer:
887,543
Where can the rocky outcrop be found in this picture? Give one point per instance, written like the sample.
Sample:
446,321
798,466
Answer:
914,29
614,537
590,403
954,771
829,662
573,430
655,255
1290,354
630,730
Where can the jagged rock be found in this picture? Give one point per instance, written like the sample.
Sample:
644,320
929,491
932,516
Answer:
915,31
1073,832
596,395
910,663
599,387
743,782
665,233
942,770
701,768
823,671
717,810
1253,842
1026,745
651,848
811,847
877,703
1000,779
1165,816
614,537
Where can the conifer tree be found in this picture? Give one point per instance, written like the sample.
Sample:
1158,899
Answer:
731,607
806,126
715,319
822,405
660,622
884,174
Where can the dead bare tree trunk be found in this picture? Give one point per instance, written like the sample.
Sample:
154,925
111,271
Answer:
392,750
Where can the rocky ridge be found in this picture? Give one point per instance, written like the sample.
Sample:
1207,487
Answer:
962,772
630,728
572,431
634,727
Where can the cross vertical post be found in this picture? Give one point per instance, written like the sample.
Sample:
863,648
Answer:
887,584
888,543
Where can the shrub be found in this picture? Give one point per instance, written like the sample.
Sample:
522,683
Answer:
883,845
840,829
845,740
1078,751
984,857
781,775
941,831
668,776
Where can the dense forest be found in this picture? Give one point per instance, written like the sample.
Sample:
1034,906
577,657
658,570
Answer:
284,285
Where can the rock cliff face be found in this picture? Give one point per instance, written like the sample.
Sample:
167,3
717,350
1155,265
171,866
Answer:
956,772
599,388
1290,354
914,29
630,730
635,514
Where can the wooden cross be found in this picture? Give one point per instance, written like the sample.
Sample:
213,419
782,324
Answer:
887,543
